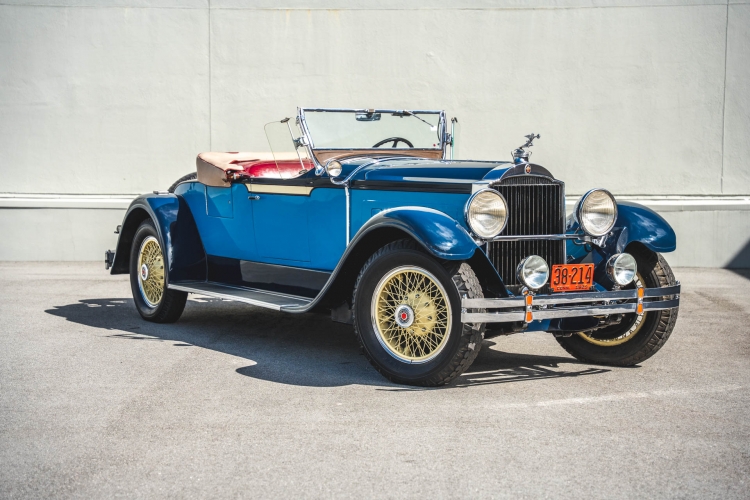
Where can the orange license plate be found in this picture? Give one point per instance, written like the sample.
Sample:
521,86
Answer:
569,277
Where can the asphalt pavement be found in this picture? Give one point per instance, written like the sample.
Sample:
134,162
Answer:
235,401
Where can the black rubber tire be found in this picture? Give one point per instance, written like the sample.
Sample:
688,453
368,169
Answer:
185,178
172,302
656,329
464,341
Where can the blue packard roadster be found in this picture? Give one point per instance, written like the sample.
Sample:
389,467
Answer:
367,214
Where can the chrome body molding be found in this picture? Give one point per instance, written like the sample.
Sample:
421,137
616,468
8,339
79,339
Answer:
569,305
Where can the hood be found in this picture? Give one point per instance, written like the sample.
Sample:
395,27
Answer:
458,174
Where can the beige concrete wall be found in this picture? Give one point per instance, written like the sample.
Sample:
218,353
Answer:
646,97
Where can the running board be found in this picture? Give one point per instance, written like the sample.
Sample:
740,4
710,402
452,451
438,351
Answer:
260,298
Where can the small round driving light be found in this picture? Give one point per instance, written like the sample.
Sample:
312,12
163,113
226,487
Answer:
533,272
621,268
486,213
333,168
596,212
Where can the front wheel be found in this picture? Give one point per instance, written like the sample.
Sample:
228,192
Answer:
154,301
638,336
407,316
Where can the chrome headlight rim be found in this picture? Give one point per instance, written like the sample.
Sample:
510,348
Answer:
624,261
467,208
532,260
579,212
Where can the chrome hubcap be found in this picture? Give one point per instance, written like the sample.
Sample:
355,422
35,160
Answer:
404,316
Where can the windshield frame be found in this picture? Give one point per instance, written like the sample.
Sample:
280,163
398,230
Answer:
309,141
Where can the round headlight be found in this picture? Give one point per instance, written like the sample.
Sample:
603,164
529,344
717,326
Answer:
533,272
486,213
597,212
333,168
621,268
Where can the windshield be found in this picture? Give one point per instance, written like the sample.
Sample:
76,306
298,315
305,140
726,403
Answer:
373,128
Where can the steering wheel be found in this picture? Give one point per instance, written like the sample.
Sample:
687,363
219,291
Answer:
395,141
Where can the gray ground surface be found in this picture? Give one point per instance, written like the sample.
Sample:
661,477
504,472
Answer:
234,401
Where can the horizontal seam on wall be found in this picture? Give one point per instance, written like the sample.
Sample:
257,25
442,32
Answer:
671,203
370,9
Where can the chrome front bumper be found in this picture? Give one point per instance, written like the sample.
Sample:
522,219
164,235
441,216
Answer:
569,305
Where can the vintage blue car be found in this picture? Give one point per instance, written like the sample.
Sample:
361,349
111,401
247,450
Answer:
368,215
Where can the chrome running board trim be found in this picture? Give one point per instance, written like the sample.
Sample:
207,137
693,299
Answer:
260,298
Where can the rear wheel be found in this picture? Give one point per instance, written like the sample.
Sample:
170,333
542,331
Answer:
407,316
154,301
185,178
638,336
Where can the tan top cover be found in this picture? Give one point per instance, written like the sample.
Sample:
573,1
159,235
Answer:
214,169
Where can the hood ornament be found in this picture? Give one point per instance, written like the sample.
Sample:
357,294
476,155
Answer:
520,155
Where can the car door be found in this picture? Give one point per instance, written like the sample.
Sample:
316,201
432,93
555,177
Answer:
281,211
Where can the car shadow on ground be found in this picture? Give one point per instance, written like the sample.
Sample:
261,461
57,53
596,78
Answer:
303,350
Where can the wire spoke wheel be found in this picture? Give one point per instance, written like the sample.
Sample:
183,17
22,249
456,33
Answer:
636,337
411,314
151,271
633,327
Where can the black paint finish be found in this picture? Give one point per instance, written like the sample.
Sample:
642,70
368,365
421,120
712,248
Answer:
269,277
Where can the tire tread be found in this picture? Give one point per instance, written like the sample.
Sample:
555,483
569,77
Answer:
666,323
172,302
471,336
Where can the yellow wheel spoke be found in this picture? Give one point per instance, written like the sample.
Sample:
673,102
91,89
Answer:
415,290
151,269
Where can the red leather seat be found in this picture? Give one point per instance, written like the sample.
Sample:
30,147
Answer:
283,169
219,169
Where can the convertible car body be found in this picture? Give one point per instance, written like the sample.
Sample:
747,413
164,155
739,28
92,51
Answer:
369,216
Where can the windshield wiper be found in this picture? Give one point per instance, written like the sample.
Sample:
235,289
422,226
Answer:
404,112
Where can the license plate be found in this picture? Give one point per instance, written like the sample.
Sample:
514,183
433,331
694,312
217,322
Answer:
568,277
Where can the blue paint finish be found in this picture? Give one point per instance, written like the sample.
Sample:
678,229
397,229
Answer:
310,231
540,325
423,173
219,202
216,232
406,170
366,202
303,231
634,223
576,252
164,210
282,227
327,236
182,244
177,231
440,234
638,223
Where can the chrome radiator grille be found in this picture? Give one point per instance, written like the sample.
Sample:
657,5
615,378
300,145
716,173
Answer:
536,205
